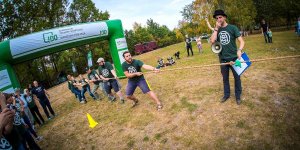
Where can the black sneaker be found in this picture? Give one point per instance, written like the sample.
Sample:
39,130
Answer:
111,98
135,103
238,101
224,99
122,101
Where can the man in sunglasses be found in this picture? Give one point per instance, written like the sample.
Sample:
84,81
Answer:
227,34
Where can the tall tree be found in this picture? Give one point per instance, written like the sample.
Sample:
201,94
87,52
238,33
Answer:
82,11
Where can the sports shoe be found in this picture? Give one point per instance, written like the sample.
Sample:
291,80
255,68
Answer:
112,98
135,103
159,107
122,101
224,99
82,102
238,101
39,138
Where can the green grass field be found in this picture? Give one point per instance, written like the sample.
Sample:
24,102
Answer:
193,117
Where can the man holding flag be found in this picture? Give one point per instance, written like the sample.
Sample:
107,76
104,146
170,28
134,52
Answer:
227,34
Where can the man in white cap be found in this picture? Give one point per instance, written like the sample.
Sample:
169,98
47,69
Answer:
108,74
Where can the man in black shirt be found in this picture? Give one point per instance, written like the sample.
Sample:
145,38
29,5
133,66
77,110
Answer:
188,45
40,92
264,30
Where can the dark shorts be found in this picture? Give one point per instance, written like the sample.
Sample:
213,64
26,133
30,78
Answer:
111,84
142,83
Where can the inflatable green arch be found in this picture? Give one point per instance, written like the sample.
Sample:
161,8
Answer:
42,43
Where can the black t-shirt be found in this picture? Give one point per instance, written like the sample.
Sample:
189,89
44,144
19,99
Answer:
188,42
39,92
264,27
133,67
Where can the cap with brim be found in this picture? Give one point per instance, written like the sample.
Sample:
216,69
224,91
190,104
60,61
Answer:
100,59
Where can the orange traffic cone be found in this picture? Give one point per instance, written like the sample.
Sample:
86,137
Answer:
92,122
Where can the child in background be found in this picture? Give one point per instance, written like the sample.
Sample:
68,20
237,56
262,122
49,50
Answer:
270,35
199,44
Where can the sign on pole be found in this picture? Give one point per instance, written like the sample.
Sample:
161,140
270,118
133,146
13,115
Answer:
90,59
73,68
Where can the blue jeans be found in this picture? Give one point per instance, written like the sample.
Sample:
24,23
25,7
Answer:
77,93
237,82
266,37
88,89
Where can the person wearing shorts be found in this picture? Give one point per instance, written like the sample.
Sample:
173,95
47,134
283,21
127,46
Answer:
132,70
108,74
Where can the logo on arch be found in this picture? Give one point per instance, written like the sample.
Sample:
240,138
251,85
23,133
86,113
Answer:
49,37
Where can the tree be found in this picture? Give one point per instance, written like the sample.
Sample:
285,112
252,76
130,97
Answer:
82,11
85,11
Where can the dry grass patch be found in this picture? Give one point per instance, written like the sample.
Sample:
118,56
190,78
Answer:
192,117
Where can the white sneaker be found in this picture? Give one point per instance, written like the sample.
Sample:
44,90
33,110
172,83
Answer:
82,102
39,138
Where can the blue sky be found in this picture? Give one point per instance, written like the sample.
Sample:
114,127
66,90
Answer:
164,12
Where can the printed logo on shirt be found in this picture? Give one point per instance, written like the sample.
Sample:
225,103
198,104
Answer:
17,119
38,89
131,69
4,144
224,37
105,72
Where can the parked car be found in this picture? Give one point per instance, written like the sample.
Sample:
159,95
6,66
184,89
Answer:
257,27
205,36
145,47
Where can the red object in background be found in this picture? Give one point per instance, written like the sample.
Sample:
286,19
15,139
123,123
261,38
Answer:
145,47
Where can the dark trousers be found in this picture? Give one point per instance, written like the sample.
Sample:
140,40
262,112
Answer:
270,39
188,48
35,111
30,141
30,129
237,82
266,37
46,104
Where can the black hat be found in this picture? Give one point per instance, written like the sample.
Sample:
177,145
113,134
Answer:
219,12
